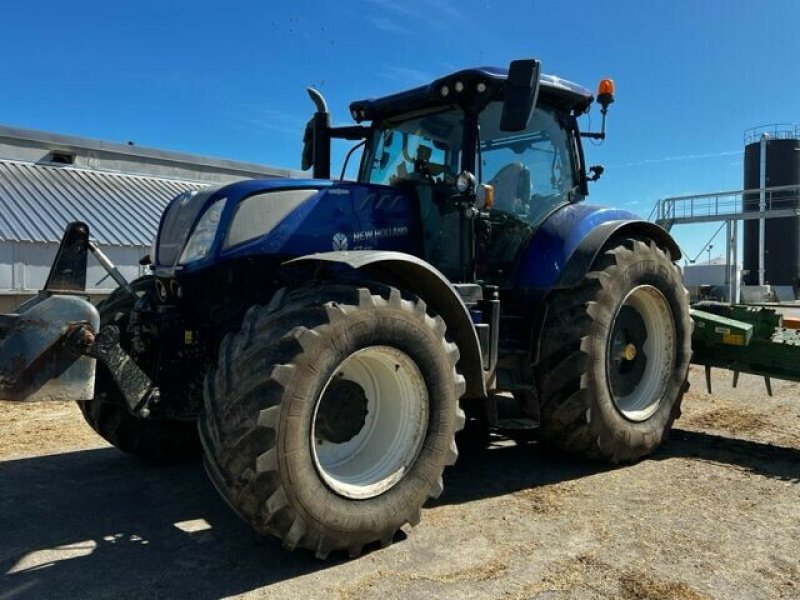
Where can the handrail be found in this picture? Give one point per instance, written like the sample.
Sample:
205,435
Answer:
723,204
777,188
775,131
656,208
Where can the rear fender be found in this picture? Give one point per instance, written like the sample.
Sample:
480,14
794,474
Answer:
566,245
570,259
413,274
581,260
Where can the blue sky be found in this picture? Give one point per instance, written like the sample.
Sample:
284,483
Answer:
227,79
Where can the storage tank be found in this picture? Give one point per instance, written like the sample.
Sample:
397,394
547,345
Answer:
782,236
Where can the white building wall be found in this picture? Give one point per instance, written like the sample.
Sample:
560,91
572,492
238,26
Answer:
714,274
24,267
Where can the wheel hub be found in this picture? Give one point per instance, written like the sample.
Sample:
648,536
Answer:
641,353
630,352
342,412
630,334
370,422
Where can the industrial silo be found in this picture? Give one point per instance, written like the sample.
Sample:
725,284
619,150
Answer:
780,145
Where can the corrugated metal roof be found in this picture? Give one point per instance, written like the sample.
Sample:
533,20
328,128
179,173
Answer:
37,202
32,146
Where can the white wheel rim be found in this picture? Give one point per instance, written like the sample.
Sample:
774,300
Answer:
378,456
659,349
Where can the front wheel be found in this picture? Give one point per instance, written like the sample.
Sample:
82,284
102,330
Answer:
158,440
331,416
614,355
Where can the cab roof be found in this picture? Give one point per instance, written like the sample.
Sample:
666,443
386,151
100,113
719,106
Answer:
554,90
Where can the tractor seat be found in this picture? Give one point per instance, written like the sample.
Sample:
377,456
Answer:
512,188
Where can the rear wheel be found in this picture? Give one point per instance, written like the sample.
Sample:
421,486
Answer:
614,356
107,413
332,415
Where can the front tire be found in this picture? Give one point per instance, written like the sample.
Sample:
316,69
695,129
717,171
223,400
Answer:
614,355
157,440
331,416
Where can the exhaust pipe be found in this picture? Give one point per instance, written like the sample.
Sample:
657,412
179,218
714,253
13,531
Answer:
317,138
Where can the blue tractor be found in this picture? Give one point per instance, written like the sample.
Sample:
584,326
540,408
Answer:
332,337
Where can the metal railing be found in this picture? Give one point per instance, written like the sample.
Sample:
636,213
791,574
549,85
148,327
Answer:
780,201
775,131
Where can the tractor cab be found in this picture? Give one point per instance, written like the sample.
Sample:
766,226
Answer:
521,177
489,154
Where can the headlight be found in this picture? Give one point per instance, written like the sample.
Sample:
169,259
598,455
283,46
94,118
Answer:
203,235
465,182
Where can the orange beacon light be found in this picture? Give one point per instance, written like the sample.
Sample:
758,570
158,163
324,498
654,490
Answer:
605,93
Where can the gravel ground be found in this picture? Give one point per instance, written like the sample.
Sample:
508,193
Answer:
714,514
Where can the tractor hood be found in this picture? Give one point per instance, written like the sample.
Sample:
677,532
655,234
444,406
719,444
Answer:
284,218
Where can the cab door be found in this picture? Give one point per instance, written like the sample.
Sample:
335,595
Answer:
533,173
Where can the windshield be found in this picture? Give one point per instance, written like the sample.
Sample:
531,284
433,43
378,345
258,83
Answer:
422,149
532,170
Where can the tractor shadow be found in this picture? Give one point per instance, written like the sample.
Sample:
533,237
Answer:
759,458
99,524
504,468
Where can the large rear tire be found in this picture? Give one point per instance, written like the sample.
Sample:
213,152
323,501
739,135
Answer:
158,440
614,355
332,414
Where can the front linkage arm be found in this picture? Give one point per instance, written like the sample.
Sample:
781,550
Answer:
136,387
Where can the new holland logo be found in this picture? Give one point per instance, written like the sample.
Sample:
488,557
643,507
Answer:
339,241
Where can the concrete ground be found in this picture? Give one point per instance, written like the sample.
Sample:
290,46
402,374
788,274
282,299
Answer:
715,513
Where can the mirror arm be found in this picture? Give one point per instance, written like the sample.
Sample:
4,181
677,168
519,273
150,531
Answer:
597,135
605,97
354,132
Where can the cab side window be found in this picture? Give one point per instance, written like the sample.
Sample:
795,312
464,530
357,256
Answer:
531,171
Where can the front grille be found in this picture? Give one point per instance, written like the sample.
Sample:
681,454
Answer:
177,224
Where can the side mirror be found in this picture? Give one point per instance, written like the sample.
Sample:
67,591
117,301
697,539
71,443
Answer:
522,90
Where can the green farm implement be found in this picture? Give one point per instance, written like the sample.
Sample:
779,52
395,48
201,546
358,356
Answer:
745,339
